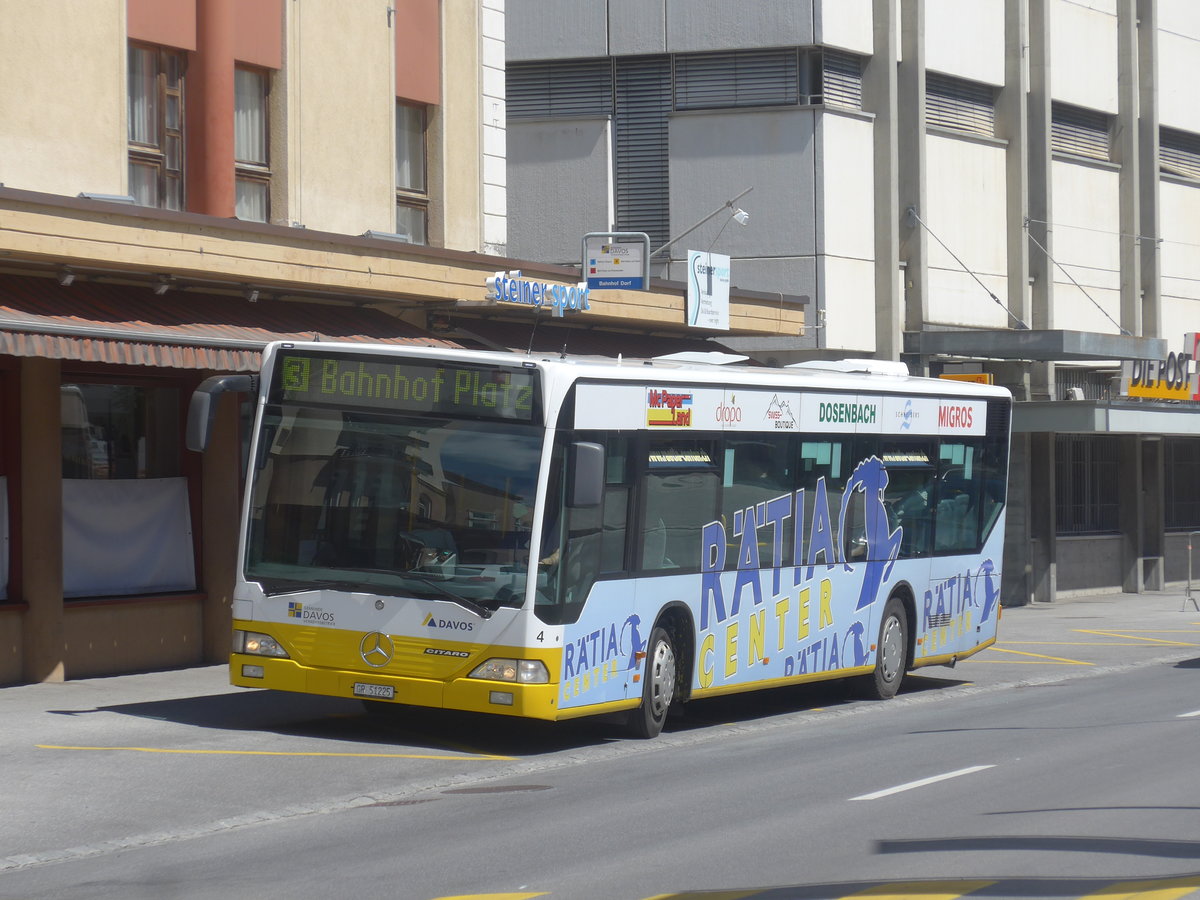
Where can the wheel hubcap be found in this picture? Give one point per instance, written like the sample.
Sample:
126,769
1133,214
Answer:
662,679
891,648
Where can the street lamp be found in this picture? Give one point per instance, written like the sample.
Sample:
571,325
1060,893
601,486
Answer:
738,215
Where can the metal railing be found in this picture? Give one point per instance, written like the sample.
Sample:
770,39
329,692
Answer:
1189,595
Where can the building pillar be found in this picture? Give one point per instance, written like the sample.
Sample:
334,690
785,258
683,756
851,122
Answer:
41,519
211,182
1131,513
1043,524
1148,176
1126,146
1013,122
1153,538
914,244
1038,185
220,514
880,99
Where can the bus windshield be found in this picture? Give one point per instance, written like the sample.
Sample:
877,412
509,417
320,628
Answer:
430,506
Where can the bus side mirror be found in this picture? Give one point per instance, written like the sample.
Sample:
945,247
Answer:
587,474
202,411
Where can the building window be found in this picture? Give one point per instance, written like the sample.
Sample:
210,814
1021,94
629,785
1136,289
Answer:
737,79
960,105
127,526
1085,484
412,192
251,148
156,126
841,81
1080,132
1181,471
1179,152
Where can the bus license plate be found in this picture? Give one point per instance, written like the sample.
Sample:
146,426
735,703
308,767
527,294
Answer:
381,691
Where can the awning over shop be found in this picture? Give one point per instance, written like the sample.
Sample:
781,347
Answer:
1106,417
130,325
576,341
1052,345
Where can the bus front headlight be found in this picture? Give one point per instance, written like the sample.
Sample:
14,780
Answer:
518,671
255,644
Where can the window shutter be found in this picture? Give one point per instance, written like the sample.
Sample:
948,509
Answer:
966,106
741,78
643,101
842,80
559,88
1080,132
1179,152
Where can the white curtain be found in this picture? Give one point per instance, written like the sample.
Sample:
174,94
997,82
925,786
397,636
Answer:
126,536
249,117
143,97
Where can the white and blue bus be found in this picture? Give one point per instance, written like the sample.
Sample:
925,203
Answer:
555,538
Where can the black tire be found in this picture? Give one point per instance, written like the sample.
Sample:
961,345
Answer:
891,660
658,686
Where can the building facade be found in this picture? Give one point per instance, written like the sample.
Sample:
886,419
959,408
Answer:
1001,189
203,177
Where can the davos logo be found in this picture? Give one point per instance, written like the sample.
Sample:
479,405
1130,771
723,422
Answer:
510,287
447,624
309,613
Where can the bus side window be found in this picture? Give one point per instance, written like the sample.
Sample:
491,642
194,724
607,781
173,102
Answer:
680,495
756,471
956,528
823,464
616,505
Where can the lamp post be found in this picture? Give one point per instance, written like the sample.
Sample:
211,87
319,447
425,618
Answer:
738,214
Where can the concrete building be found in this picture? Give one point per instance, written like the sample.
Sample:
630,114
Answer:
182,181
1004,189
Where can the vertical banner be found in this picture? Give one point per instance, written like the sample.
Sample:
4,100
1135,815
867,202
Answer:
708,290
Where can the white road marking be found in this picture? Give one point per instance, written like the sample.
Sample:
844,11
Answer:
1188,715
933,779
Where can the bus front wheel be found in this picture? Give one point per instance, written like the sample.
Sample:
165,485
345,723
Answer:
892,659
658,686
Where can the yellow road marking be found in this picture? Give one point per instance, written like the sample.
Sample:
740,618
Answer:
1134,636
709,895
481,756
921,890
1040,657
1164,889
1137,642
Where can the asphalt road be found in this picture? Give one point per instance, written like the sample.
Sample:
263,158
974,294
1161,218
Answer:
1060,768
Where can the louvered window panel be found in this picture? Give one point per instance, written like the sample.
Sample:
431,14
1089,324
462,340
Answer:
842,80
643,102
966,106
1080,132
559,88
737,79
1179,152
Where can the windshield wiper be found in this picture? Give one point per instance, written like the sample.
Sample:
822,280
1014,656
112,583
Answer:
281,588
465,602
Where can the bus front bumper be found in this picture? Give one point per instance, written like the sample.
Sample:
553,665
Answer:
536,701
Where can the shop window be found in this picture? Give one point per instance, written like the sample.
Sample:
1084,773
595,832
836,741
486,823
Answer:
412,191
1085,484
251,147
156,126
126,516
1181,473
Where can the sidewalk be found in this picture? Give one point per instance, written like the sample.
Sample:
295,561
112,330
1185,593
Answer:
1093,631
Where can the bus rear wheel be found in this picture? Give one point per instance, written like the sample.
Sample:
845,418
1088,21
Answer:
891,661
658,686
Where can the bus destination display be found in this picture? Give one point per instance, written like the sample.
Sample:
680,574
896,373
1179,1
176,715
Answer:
409,386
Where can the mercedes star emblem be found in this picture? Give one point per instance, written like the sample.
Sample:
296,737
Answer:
376,649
